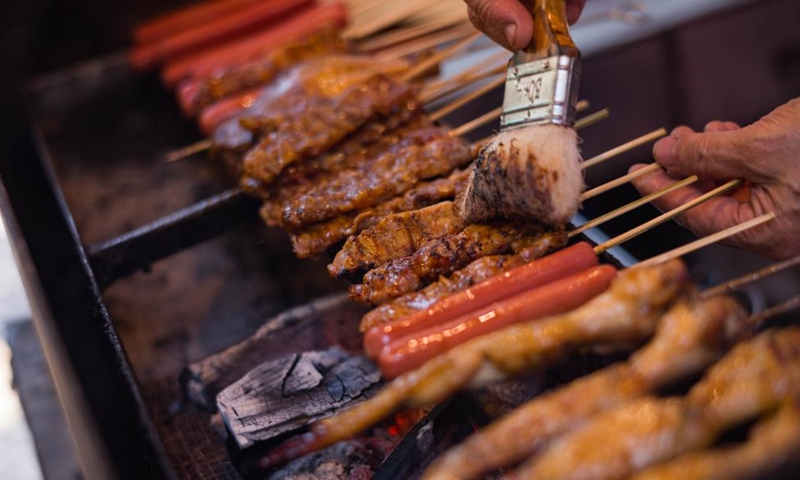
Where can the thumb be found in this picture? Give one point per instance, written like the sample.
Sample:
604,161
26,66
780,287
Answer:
507,22
717,156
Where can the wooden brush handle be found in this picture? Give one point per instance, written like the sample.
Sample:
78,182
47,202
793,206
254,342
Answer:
550,30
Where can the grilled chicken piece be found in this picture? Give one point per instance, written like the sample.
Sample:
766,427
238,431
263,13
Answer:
440,256
316,239
395,236
627,313
526,173
689,338
431,154
460,280
319,109
754,379
238,78
774,445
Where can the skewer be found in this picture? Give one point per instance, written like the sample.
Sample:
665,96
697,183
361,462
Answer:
453,106
424,43
619,181
591,119
632,206
404,35
625,147
439,90
437,58
759,318
703,242
189,150
753,277
634,232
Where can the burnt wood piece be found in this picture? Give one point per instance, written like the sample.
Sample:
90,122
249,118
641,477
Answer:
136,250
284,395
328,320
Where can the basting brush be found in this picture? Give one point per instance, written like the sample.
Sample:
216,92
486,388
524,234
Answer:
531,169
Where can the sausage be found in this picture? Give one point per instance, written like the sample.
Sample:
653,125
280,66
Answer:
257,16
226,108
554,298
181,19
541,271
302,23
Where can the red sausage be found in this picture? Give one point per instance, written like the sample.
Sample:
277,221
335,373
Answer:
554,298
187,17
226,108
299,25
544,270
256,17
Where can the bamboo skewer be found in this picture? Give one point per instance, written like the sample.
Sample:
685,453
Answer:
424,43
476,122
189,150
632,206
589,120
625,147
453,106
436,92
703,242
753,277
406,35
619,181
634,232
759,318
438,58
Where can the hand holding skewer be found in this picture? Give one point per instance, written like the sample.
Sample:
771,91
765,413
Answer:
765,154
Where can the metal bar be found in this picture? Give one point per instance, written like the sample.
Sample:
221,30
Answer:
138,249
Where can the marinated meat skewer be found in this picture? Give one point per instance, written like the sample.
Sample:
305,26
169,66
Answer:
689,337
476,272
626,314
773,445
437,257
316,239
754,379
432,154
395,236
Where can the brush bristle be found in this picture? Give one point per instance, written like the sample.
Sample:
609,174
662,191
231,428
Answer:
529,173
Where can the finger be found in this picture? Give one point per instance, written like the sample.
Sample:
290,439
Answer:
715,126
732,126
507,22
709,217
574,10
718,155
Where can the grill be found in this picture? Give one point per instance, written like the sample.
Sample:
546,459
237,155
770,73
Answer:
119,248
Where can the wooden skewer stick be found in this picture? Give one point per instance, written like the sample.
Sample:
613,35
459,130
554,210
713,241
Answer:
632,206
703,242
634,232
424,43
753,277
495,64
437,58
436,92
410,34
189,150
476,122
625,147
759,318
438,114
589,120
619,181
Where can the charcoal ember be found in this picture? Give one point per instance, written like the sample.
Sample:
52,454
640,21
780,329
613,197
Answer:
284,395
330,320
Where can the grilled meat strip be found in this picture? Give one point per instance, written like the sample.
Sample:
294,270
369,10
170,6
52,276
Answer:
355,151
773,445
754,379
476,272
238,78
431,154
316,239
689,338
440,256
395,236
316,113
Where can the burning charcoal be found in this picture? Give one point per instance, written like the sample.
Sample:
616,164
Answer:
285,395
316,325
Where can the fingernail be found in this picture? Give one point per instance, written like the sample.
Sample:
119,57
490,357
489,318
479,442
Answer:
664,151
511,33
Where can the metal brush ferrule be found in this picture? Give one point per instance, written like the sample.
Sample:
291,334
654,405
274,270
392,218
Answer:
542,91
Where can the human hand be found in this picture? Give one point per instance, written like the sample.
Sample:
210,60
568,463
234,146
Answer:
509,23
766,154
